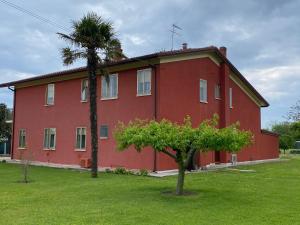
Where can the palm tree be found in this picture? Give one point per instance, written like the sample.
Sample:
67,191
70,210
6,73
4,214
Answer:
93,39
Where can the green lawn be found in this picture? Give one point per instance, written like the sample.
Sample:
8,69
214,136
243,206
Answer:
271,195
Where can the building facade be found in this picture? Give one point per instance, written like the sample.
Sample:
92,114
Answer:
51,119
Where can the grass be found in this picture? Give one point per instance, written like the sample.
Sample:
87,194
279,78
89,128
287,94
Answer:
270,195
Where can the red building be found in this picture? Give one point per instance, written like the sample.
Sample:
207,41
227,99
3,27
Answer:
51,118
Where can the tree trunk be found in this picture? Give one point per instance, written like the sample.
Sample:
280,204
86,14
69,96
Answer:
92,66
180,181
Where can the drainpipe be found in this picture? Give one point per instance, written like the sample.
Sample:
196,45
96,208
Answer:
155,114
13,125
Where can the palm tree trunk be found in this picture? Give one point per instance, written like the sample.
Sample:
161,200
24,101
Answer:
92,66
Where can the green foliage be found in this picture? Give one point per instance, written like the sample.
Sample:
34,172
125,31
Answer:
165,135
120,170
91,34
143,172
287,134
5,128
181,141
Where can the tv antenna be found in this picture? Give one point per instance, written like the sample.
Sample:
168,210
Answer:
173,31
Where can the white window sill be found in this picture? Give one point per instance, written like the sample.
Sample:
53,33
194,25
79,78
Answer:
47,105
112,98
49,149
103,138
141,95
83,101
204,102
79,150
22,148
218,98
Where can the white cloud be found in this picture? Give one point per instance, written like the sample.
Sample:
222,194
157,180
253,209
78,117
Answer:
276,82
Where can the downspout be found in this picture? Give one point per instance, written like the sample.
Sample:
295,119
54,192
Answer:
155,115
13,125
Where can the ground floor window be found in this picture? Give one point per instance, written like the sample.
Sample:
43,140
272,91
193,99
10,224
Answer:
22,138
80,137
103,131
49,138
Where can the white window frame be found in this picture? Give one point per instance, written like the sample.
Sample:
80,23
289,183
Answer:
218,91
81,89
230,98
103,79
203,100
22,133
143,73
47,94
49,137
102,137
80,148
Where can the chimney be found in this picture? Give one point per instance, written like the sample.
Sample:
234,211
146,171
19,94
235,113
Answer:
223,50
184,46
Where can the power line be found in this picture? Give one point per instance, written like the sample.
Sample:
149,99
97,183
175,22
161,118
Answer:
30,13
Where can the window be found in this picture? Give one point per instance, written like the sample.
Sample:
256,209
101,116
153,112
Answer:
217,91
50,94
103,131
84,90
109,90
203,91
80,138
144,82
22,138
230,98
49,138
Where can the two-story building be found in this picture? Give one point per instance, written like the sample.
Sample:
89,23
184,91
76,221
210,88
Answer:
51,112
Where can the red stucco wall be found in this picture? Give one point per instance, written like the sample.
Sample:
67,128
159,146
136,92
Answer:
177,96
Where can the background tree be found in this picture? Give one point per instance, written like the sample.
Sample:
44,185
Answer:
294,112
181,141
286,135
94,40
5,128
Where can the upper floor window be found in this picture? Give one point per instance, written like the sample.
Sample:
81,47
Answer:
109,87
230,98
217,91
50,94
84,90
103,131
203,91
80,137
49,138
144,82
22,138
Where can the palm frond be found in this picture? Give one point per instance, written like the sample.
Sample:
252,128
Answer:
69,56
69,39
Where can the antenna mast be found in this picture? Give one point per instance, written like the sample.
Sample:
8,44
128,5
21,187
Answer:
174,27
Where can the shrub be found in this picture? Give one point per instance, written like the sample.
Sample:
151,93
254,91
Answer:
120,170
3,161
143,172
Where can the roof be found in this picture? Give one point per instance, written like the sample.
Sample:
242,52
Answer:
210,49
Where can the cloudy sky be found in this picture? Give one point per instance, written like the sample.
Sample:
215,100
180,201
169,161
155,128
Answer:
262,38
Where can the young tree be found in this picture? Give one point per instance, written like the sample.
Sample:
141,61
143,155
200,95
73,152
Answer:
181,141
5,128
94,40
